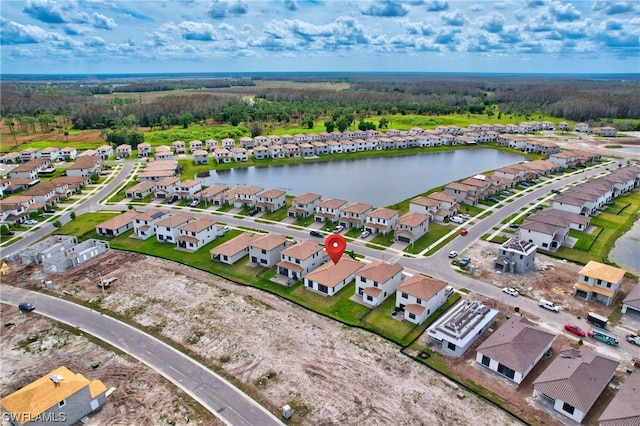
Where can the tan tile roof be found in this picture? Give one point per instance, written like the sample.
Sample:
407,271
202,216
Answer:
422,287
42,394
442,196
624,408
236,245
168,181
30,165
380,271
119,221
413,219
269,241
175,220
460,187
199,225
151,214
603,272
357,208
424,201
383,213
306,198
41,188
271,193
189,183
303,249
212,191
577,377
332,203
517,344
331,274
249,190
143,186
84,163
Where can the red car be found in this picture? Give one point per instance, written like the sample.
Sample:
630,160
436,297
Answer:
574,329
464,232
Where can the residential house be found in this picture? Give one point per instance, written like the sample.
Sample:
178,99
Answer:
141,190
320,148
144,149
291,150
460,327
330,278
247,196
164,153
565,159
195,145
261,152
246,142
300,258
208,195
29,154
543,147
211,144
547,236
14,209
60,397
179,147
606,131
411,226
239,154
260,141
378,280
574,380
354,215
631,303
465,194
198,233
44,193
424,205
74,183
563,218
226,197
581,127
222,155
304,205
29,170
144,224
105,151
166,187
117,225
270,200
420,296
515,256
265,250
515,348
50,153
228,143
307,150
200,156
123,151
188,189
381,221
89,153
330,209
334,147
599,282
447,206
85,166
167,230
235,249
10,158
624,408
514,172
155,175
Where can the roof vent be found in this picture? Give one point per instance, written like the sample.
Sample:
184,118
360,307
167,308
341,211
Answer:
55,378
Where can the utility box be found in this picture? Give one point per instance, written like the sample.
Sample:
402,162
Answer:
286,411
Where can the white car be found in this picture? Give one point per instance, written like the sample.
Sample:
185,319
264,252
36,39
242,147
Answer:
31,222
194,203
543,303
225,229
465,216
365,234
510,291
453,254
338,229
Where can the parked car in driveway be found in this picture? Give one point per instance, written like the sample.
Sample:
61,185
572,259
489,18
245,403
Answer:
31,222
525,184
316,234
514,225
173,199
338,229
453,254
511,291
465,261
555,191
465,216
25,306
505,193
365,234
456,219
194,203
254,212
571,328
494,200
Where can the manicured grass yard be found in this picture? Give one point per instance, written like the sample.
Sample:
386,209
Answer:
436,231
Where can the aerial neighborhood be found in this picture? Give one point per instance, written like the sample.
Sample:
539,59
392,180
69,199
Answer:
280,238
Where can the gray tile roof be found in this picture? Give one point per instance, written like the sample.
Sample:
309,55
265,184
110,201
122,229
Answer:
624,408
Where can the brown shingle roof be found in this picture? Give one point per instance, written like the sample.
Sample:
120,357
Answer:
422,287
306,198
331,274
119,221
302,250
175,220
236,245
624,408
269,241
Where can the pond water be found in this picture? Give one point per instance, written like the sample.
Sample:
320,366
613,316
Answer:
379,181
630,149
626,251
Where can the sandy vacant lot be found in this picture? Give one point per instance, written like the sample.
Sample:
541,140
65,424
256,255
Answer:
328,373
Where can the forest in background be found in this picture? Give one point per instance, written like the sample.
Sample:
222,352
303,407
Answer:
42,106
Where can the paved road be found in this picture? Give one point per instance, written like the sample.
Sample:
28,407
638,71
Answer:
212,391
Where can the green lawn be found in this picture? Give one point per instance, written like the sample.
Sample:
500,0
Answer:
436,231
84,226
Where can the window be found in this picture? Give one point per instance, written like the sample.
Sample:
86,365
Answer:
599,281
608,285
568,408
264,251
586,279
297,261
451,346
369,298
485,360
404,295
412,315
323,288
363,280
418,301
62,403
263,261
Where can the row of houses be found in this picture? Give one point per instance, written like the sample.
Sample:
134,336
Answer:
83,166
54,154
573,208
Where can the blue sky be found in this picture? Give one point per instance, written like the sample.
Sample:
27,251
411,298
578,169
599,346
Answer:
511,36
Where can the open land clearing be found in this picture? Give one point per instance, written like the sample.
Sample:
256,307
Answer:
281,353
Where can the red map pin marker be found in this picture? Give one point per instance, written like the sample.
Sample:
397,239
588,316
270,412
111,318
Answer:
335,245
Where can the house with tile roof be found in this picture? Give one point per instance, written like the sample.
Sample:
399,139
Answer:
420,296
167,230
265,250
117,225
572,383
144,224
222,155
166,187
85,166
30,169
329,278
188,188
60,397
123,150
29,154
144,149
515,348
378,280
270,200
460,327
599,282
354,215
465,194
304,205
624,408
200,156
44,193
195,145
239,154
260,152
547,233
105,151
381,221
298,259
179,147
631,303
235,249
198,233
141,189
247,196
411,226
50,153
329,209
211,193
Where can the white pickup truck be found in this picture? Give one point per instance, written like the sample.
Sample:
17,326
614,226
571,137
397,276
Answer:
632,338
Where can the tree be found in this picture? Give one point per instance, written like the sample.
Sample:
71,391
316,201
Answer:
95,178
66,135
187,119
366,125
343,124
57,224
256,129
72,215
309,123
383,123
4,230
330,126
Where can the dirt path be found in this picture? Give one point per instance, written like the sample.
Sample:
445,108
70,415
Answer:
328,373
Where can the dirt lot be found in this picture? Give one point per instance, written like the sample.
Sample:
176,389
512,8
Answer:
328,373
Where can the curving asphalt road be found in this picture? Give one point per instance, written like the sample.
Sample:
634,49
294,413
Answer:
212,391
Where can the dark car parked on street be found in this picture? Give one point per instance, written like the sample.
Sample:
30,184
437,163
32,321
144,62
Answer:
316,234
27,307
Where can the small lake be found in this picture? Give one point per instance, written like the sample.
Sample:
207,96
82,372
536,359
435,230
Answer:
626,251
379,181
629,149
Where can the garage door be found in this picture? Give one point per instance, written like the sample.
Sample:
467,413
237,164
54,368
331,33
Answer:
404,239
633,312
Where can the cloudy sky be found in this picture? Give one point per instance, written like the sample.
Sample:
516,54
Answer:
513,36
